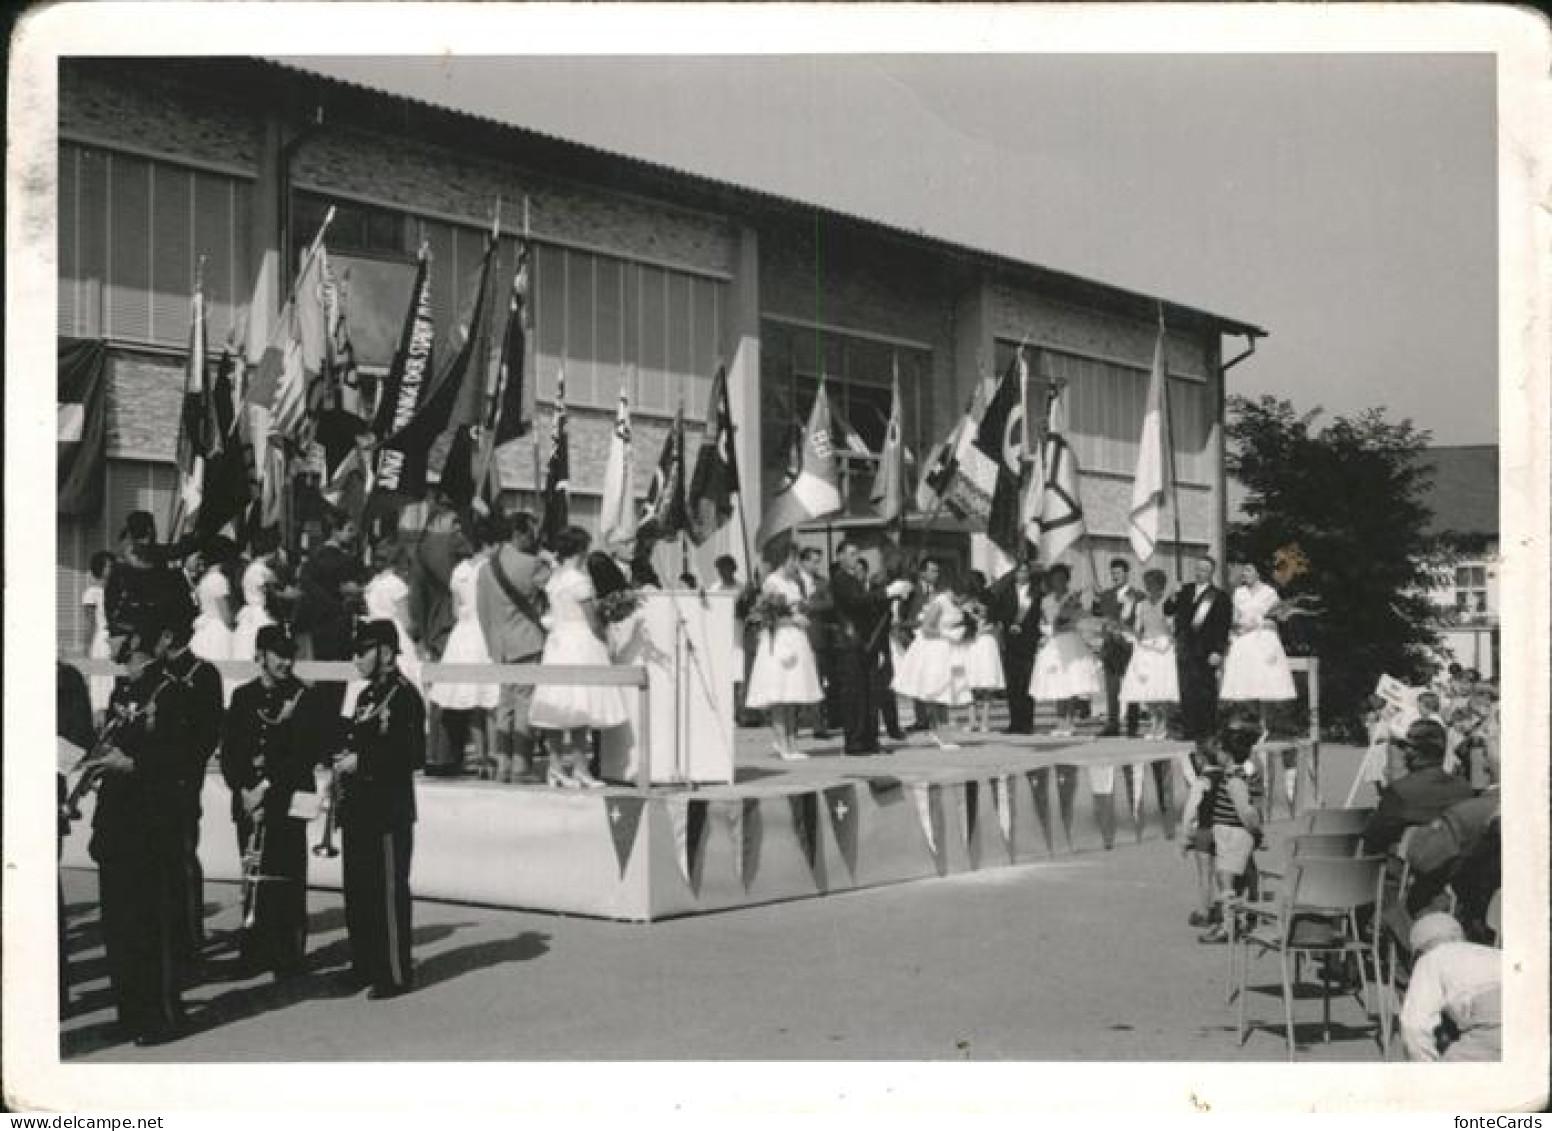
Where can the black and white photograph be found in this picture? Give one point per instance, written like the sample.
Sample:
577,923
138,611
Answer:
898,545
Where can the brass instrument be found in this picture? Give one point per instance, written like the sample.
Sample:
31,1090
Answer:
252,875
325,846
89,769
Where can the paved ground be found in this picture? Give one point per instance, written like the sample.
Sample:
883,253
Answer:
1085,958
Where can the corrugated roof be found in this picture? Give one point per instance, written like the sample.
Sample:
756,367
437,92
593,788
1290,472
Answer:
1464,492
1135,301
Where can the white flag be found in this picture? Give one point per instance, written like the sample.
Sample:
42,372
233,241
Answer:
1149,486
1061,510
617,518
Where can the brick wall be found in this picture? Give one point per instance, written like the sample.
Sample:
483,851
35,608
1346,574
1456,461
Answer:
1015,311
589,432
144,398
97,102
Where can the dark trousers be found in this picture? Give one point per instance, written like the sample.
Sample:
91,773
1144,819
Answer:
857,699
1117,657
1018,664
191,935
833,713
142,926
376,865
277,939
1198,696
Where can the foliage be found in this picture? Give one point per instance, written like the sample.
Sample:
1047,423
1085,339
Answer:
1347,503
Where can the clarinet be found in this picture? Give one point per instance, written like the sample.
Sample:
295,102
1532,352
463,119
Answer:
90,767
337,784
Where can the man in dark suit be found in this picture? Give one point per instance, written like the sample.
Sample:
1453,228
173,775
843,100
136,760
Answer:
821,638
856,640
1202,613
330,586
1421,795
1016,607
1114,606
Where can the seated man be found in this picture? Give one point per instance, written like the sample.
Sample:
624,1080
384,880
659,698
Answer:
1453,1004
1423,793
1440,850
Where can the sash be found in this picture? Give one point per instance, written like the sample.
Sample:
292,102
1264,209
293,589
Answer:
1202,607
520,602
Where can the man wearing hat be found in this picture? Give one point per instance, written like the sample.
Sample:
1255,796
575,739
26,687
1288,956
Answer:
1453,1008
386,744
1420,795
137,840
193,744
273,730
141,583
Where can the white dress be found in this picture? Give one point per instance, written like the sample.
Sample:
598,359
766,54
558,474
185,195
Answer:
1256,667
571,641
1151,676
1064,667
465,644
784,671
254,615
98,687
933,669
983,665
212,639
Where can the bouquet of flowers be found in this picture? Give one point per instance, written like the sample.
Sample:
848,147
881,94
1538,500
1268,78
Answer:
770,612
619,605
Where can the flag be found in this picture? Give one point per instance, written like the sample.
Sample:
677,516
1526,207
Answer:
715,481
557,475
974,480
1000,438
299,355
225,492
1149,485
666,513
449,412
346,442
617,513
1061,512
815,490
192,426
942,466
411,367
510,416
888,493
83,433
623,813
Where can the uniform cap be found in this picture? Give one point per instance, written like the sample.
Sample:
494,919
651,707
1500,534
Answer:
275,638
370,634
140,524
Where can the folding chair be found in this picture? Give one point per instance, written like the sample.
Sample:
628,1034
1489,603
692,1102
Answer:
1337,820
1317,914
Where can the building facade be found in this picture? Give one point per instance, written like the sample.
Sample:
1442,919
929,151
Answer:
1463,495
643,277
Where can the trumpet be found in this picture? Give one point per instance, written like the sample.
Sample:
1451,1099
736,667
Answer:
89,769
325,846
253,863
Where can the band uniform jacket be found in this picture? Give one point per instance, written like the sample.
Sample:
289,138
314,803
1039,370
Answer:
387,734
273,734
1213,634
200,684
141,812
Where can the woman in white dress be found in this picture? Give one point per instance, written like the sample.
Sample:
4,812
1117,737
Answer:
983,659
258,583
784,676
212,638
1065,669
576,637
933,671
1151,679
99,687
387,597
1256,668
465,705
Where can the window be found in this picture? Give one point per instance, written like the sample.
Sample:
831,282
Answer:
131,234
858,376
360,229
1105,405
1471,591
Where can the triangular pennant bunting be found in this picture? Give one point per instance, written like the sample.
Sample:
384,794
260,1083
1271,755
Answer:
732,815
1102,779
1066,787
1002,799
1040,787
688,816
754,831
1134,790
624,816
805,822
841,802
928,806
972,803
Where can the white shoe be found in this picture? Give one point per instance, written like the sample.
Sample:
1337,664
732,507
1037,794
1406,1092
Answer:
794,756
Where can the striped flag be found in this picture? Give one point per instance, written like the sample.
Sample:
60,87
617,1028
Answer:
888,493
617,513
192,424
1061,511
715,480
814,491
666,513
1150,487
82,451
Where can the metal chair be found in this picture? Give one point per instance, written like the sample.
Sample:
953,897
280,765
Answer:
1317,914
1337,820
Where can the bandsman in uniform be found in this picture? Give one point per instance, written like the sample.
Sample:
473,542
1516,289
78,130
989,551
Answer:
272,734
386,744
137,840
200,684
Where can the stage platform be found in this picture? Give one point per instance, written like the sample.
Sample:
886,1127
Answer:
782,830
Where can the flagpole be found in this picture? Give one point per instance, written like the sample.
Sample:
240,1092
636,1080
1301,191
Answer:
1169,448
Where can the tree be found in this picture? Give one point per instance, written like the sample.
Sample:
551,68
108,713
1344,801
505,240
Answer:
1339,514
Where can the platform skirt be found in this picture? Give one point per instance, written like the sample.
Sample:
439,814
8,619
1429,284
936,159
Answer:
784,670
983,665
1151,677
934,670
1257,668
1065,669
572,706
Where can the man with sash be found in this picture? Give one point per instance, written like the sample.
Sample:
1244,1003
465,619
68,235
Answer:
1202,613
269,743
137,839
508,600
1115,606
385,746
